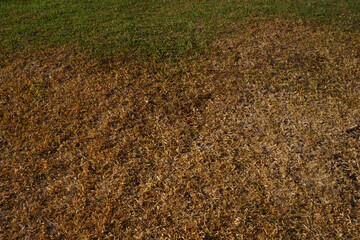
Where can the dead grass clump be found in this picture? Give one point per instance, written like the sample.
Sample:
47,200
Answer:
257,140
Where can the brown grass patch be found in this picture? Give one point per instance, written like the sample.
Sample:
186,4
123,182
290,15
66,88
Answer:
258,140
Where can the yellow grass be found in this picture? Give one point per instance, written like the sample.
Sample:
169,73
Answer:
258,139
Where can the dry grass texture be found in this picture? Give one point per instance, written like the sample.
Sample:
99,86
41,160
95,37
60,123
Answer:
260,140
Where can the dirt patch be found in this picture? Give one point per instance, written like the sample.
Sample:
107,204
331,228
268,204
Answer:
255,140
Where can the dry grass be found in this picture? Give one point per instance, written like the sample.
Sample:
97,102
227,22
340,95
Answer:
257,140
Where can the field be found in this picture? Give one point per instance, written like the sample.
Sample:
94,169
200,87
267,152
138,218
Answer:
227,119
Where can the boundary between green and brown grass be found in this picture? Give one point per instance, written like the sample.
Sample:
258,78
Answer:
142,30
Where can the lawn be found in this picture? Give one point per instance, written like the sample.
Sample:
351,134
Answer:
160,29
180,119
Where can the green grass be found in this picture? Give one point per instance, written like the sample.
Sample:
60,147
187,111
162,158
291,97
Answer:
161,29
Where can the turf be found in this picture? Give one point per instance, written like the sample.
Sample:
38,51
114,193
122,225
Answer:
157,29
250,132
